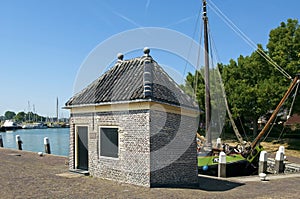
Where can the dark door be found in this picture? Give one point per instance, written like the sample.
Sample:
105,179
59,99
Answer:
82,150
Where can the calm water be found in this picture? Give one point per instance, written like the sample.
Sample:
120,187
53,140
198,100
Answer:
33,140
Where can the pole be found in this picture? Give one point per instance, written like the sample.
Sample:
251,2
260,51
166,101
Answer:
207,84
263,162
19,142
1,141
47,145
57,109
222,165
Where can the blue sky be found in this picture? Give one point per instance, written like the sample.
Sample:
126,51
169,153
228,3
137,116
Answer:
44,43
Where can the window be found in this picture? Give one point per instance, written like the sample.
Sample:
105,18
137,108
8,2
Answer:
109,142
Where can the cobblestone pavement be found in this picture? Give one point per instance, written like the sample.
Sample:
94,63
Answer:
27,175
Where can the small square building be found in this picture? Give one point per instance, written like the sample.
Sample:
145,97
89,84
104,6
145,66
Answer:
135,125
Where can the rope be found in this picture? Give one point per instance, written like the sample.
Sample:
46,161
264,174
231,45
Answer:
247,39
281,133
274,122
296,91
186,63
243,129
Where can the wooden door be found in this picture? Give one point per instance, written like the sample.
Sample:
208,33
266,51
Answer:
82,147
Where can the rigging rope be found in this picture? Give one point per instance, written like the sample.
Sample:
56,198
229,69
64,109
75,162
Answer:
247,39
244,131
281,133
296,91
274,122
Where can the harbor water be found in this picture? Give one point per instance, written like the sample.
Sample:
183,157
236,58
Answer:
33,140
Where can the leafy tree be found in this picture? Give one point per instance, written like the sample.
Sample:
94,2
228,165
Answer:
284,46
20,117
250,87
284,49
9,115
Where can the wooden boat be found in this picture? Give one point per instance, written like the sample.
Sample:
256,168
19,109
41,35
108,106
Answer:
243,158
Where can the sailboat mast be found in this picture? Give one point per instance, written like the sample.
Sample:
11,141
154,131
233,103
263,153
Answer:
57,109
207,84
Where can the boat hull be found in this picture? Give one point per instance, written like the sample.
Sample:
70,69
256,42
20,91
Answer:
236,165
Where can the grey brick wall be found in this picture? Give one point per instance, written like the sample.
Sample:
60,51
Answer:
133,164
173,149
173,158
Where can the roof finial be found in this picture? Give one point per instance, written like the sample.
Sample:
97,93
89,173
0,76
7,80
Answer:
146,51
120,56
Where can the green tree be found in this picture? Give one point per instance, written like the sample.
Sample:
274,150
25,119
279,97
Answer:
9,115
20,117
251,87
284,49
284,46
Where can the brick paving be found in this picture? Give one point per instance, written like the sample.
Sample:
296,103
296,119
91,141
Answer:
27,175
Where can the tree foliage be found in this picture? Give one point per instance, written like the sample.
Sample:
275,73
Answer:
251,89
284,48
20,117
9,115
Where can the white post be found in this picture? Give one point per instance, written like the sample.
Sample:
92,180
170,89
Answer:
219,143
222,165
263,160
19,142
47,145
279,165
281,149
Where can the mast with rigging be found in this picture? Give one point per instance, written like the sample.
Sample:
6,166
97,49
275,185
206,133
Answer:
208,143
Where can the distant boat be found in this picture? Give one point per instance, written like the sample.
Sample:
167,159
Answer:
54,125
40,126
9,125
34,126
27,126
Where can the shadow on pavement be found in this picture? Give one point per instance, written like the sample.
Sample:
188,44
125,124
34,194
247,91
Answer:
206,184
214,184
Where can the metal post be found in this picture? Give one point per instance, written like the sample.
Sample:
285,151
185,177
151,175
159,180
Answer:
279,165
19,142
222,165
263,160
219,143
47,145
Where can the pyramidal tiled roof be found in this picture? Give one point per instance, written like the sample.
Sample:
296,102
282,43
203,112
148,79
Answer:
136,79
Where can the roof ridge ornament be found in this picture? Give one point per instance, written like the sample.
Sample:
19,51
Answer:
120,57
146,56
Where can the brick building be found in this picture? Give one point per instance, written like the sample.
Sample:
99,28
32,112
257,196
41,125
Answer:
135,125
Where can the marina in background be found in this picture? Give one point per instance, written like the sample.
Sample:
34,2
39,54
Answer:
33,140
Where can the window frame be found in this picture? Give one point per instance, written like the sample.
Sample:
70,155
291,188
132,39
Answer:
99,142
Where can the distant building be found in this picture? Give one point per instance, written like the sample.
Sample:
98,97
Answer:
135,125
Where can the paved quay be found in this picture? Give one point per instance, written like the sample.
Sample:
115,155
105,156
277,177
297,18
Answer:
27,175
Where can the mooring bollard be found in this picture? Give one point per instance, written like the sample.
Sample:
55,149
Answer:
47,145
222,165
1,141
219,143
281,149
279,165
19,142
263,162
